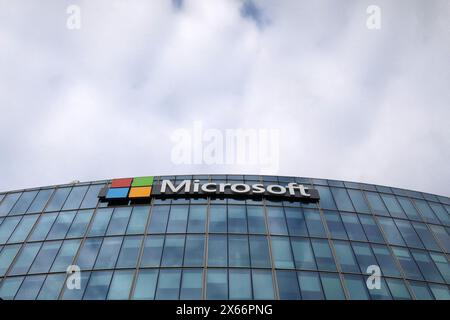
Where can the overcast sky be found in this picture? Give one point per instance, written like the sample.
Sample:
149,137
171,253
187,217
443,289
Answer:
102,102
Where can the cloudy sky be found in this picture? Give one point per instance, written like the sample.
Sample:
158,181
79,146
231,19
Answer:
348,102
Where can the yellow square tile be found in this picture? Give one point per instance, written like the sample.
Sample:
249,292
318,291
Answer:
140,192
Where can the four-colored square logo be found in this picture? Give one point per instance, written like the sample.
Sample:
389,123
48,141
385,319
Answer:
133,188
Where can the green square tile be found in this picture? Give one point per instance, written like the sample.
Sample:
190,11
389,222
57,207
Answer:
142,182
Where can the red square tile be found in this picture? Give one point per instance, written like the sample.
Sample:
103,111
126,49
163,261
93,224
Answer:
121,183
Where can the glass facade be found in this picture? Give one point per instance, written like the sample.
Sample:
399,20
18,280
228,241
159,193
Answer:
210,248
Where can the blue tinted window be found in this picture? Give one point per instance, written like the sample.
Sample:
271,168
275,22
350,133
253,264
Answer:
7,203
40,201
409,208
98,285
386,261
382,293
324,257
425,210
332,286
442,236
326,199
364,255
442,264
101,221
75,197
335,225
194,251
288,285
440,212
25,258
358,200
356,287
391,232
173,251
65,255
353,227
426,236
240,286
108,253
77,294
440,292
58,199
197,219
178,219
310,286
238,251
393,206
146,284
120,285
7,228
217,284
138,220
421,290
158,219
7,256
345,256
281,251
23,203
314,223
409,234
80,224
237,219
256,223
45,257
61,225
191,284
88,253
342,200
91,198
9,287
398,289
259,252
277,221
153,247
371,228
262,284
52,286
303,254
43,226
426,266
296,222
218,218
376,204
217,251
30,287
129,252
119,221
407,262
168,284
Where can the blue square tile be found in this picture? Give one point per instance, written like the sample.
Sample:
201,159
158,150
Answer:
117,193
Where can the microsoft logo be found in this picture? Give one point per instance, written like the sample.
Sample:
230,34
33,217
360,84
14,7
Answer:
132,188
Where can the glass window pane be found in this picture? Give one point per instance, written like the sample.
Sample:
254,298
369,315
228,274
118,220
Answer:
371,228
129,252
335,225
25,258
100,223
398,289
376,204
393,206
364,256
262,284
191,284
98,285
108,253
420,290
43,226
23,203
121,285
353,227
65,255
314,223
52,286
9,287
30,287
303,254
7,228
386,261
409,208
7,256
310,286
277,221
326,199
40,201
344,254
158,219
75,197
44,259
281,251
259,252
237,219
88,253
240,284
288,285
217,251
256,223
178,219
91,198
391,232
8,202
332,286
440,292
119,221
426,265
426,236
442,236
425,210
197,219
168,284
146,284
296,222
58,199
238,249
356,287
382,293
324,257
439,211
358,200
77,294
409,234
173,251
408,265
61,225
442,264
217,218
194,251
342,200
153,246
80,224
23,229
217,284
